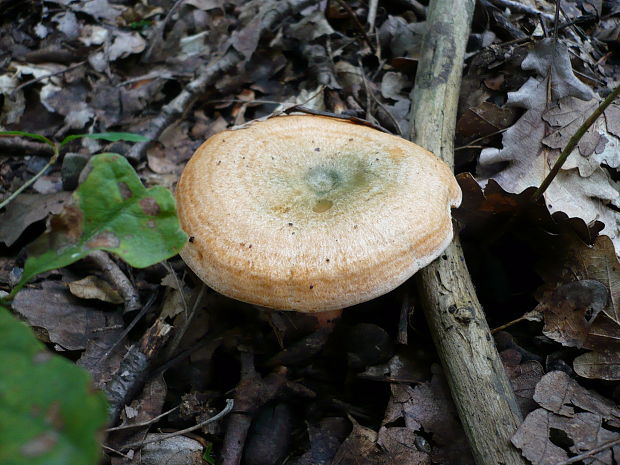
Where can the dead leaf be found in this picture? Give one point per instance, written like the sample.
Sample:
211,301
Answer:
428,407
612,116
558,393
25,210
401,38
99,9
541,430
66,320
596,147
484,119
577,321
570,310
92,287
573,420
532,438
399,445
552,56
361,442
525,160
523,378
205,4
603,364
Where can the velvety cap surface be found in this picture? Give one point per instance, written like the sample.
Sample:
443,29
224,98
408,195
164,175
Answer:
311,213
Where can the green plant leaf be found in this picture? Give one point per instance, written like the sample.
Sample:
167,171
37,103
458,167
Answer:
49,414
28,134
113,211
109,136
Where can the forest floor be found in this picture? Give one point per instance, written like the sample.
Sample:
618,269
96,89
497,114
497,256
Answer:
369,389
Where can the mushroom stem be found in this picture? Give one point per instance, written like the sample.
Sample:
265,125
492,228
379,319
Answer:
328,319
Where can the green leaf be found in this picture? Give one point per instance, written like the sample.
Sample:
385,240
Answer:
109,136
208,455
28,134
111,211
49,414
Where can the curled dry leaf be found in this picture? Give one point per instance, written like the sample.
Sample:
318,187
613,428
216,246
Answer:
92,287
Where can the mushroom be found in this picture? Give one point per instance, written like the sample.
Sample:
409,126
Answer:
312,213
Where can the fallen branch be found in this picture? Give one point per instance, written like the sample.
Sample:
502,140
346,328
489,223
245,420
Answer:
118,279
478,383
208,75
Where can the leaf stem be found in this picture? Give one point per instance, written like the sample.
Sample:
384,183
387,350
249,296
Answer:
573,141
32,180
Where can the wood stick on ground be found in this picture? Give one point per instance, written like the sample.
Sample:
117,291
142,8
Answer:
134,368
119,280
478,383
208,75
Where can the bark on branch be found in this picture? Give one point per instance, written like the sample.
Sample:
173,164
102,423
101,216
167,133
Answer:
479,385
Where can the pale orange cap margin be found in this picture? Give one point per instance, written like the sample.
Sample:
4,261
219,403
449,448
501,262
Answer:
311,213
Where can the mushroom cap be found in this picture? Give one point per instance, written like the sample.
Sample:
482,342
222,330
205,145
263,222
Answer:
312,213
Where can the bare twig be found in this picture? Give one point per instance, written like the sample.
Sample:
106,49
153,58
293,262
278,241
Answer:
144,423
19,145
33,179
372,14
40,78
572,143
358,24
115,275
521,8
590,453
117,452
227,409
130,326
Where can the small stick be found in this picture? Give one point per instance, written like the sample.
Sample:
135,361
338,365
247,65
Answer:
372,13
121,282
134,367
358,24
32,180
144,423
40,78
19,145
227,409
573,141
521,8
591,452
129,327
